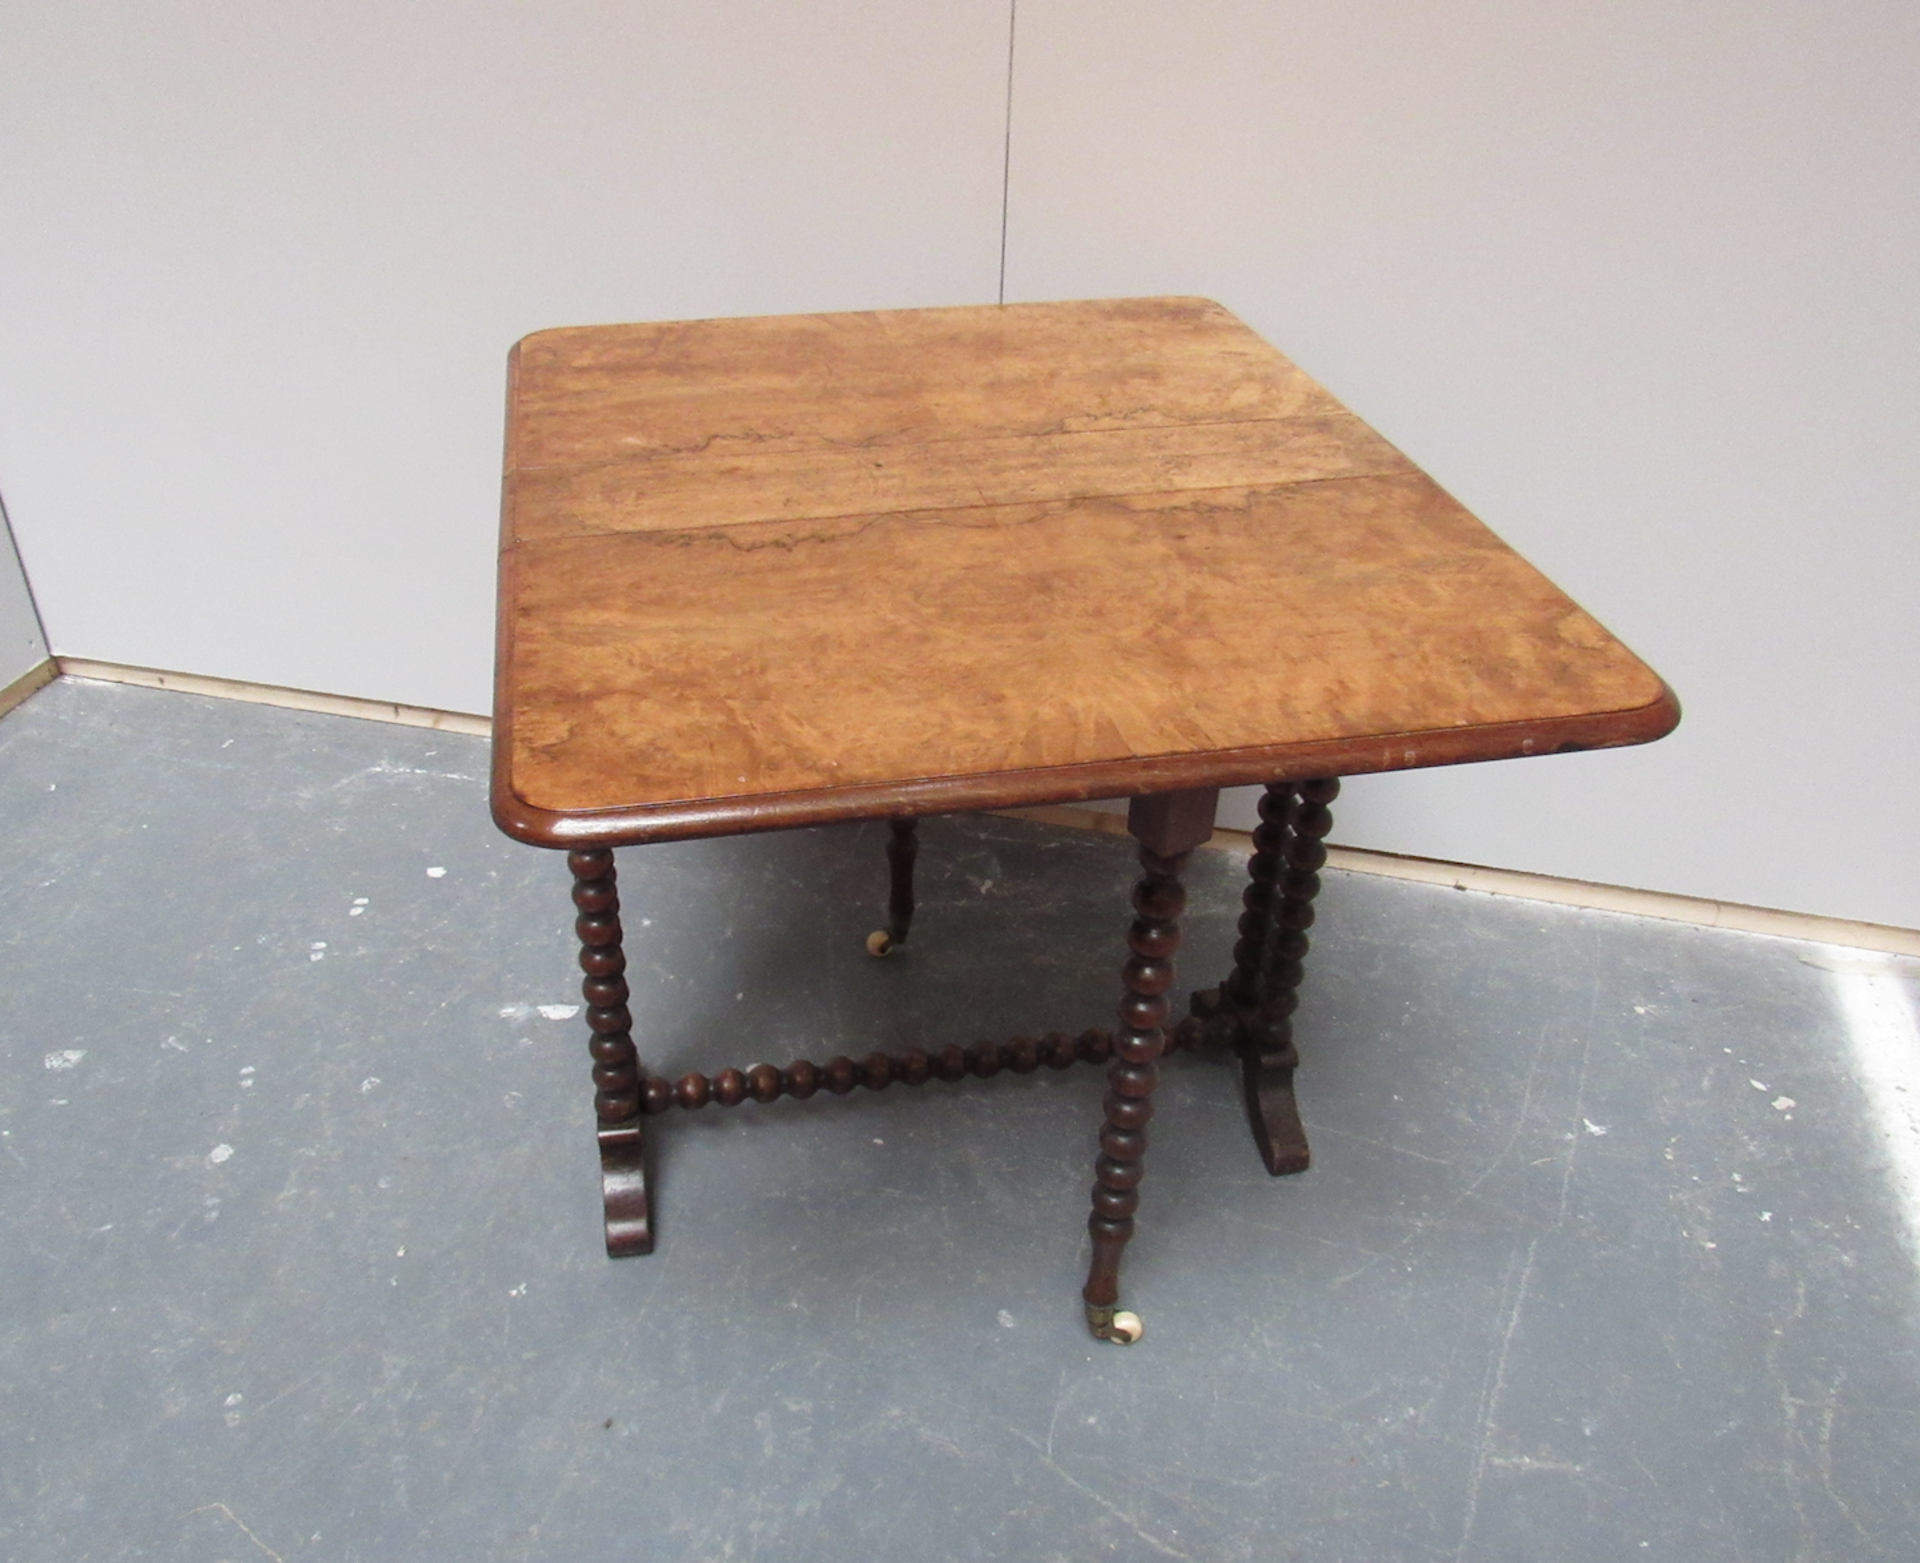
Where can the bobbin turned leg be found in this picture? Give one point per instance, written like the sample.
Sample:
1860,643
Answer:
1168,827
903,846
618,1082
1289,851
1223,1012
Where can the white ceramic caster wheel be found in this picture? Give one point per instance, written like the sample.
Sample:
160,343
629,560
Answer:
1118,1326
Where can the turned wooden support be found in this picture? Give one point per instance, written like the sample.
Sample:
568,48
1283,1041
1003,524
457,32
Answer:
1168,827
1289,851
903,846
802,1078
619,1084
1277,807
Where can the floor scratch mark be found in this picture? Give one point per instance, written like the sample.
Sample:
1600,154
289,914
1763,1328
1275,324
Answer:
1495,1387
293,1388
208,1508
1059,1400
1519,1119
1112,1508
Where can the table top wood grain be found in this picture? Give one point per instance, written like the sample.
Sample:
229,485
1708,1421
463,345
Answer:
787,570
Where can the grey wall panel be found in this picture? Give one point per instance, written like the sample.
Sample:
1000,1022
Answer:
1635,283
23,645
264,266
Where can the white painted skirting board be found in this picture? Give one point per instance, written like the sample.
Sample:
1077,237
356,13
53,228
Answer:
1543,887
34,678
273,695
1461,876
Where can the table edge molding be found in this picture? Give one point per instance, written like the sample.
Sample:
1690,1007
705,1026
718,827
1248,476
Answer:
684,819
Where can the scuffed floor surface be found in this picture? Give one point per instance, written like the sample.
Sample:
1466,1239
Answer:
1604,1253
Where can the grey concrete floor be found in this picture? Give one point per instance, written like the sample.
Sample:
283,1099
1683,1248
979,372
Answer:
1605,1252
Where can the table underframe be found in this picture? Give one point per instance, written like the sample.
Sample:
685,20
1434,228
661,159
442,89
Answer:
1249,1017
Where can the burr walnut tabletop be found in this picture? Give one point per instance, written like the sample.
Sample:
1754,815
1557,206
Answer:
773,572
788,570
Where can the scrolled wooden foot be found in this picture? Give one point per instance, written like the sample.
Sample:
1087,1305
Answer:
623,1190
1274,1115
1117,1325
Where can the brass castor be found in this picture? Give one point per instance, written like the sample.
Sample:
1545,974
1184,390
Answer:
1121,1327
879,943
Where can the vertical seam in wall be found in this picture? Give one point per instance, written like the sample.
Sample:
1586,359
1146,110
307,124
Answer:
33,602
1006,150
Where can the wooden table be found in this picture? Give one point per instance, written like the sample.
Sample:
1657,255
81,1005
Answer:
785,571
